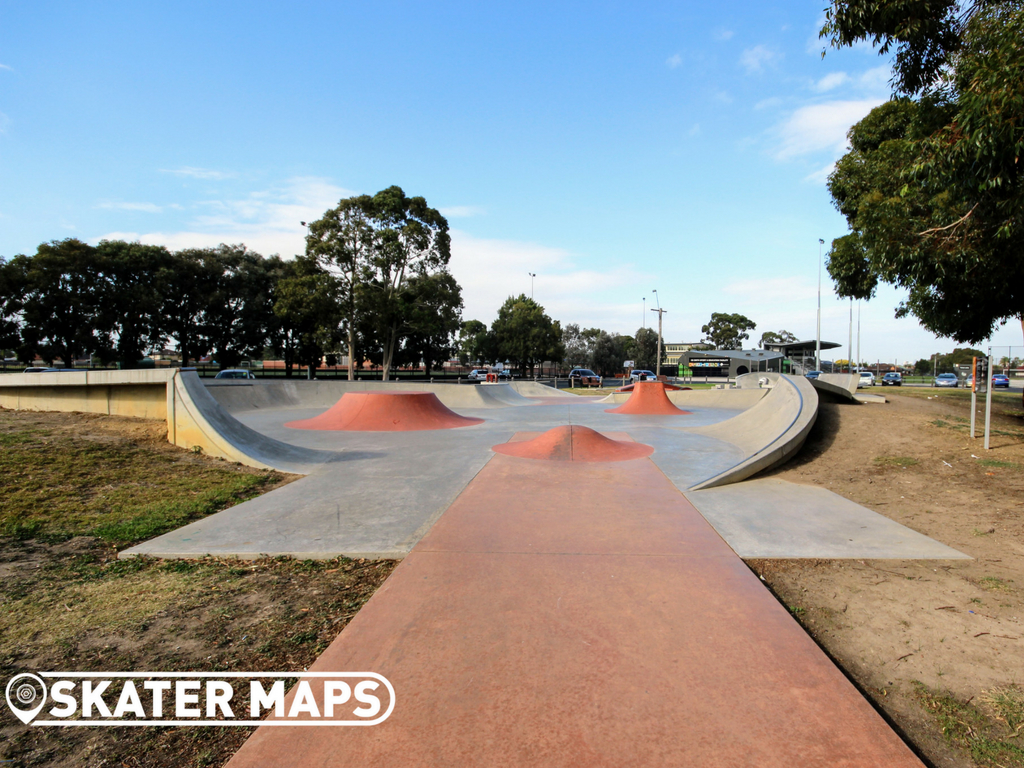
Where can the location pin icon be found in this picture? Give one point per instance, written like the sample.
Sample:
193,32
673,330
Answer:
22,692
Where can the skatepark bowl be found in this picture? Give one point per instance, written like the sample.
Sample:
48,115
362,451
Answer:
568,562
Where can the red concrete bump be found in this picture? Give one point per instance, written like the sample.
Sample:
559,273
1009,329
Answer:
386,412
648,399
574,444
668,387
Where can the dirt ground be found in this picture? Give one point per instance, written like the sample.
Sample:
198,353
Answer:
937,645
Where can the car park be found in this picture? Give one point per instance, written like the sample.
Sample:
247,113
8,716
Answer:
892,379
642,375
867,379
584,377
234,373
999,380
946,380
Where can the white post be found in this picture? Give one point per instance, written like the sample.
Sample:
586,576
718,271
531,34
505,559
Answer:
988,398
817,345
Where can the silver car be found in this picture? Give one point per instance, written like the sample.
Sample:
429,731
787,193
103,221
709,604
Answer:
946,380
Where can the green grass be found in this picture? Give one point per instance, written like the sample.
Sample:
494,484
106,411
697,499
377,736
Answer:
57,488
986,732
998,463
895,461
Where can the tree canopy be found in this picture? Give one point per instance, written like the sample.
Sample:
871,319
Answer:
727,331
525,335
932,188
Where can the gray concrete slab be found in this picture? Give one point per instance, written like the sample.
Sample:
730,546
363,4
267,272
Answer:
774,518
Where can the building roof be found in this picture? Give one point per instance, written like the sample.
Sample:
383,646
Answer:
789,348
740,354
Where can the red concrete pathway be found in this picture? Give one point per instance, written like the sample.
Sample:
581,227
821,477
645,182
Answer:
584,614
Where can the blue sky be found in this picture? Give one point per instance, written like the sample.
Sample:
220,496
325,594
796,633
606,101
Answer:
610,148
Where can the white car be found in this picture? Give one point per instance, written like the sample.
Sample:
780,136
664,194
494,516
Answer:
478,374
867,379
641,375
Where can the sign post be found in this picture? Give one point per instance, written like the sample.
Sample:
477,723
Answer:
988,397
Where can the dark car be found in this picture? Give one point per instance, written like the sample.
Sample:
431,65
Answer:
999,380
584,377
892,379
812,374
234,373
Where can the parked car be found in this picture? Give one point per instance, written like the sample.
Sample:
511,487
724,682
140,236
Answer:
38,369
641,375
946,380
234,373
867,379
584,377
892,379
478,374
812,374
999,380
504,375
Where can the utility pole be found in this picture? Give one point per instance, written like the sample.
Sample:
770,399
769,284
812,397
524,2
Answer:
661,312
817,345
858,333
849,342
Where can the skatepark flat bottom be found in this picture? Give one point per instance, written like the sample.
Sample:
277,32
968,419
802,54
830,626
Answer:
584,614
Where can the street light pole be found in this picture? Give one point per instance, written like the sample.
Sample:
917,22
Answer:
849,341
661,312
817,344
532,275
643,315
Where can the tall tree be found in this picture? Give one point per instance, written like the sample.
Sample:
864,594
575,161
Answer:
12,294
645,349
307,303
610,352
525,335
345,237
771,337
932,188
130,316
62,299
474,343
191,284
432,314
727,331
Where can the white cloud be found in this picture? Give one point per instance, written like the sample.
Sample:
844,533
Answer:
266,221
772,290
4,66
144,207
674,61
757,58
461,211
490,271
830,81
820,127
198,173
774,101
724,97
695,130
821,175
724,34
876,79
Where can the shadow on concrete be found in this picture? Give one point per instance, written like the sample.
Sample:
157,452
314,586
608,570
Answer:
820,439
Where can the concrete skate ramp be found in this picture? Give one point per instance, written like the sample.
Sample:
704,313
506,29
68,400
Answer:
840,386
574,443
729,399
769,517
536,389
386,412
241,396
195,419
648,399
770,431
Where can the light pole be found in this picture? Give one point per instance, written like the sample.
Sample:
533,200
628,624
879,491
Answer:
643,315
817,343
532,275
660,311
858,333
849,341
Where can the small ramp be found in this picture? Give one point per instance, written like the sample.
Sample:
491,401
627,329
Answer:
196,420
774,518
